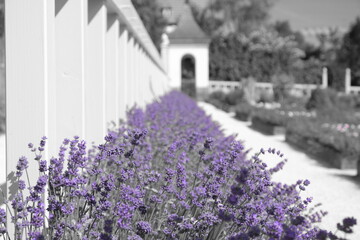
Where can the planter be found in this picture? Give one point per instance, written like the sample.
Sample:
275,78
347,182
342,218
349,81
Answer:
267,128
324,153
245,117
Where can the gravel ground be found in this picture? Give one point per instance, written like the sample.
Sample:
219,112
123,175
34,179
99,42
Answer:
337,190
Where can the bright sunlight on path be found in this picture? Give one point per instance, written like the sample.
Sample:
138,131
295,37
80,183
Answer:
335,189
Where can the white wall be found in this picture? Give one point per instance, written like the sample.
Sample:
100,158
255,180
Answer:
201,54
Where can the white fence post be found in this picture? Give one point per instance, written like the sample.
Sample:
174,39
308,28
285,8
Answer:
29,76
112,66
143,79
347,80
123,70
136,74
130,79
70,24
95,71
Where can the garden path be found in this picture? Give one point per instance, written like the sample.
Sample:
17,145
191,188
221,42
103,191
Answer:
337,190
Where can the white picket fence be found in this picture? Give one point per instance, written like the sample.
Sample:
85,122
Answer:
73,66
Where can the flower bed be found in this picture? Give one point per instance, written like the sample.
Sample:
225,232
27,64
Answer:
325,153
280,117
338,149
168,173
243,111
266,127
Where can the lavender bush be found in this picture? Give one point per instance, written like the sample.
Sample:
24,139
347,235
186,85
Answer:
168,173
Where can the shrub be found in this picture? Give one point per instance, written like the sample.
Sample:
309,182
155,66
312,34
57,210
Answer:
218,99
169,173
265,97
282,84
234,97
322,99
243,111
270,116
347,144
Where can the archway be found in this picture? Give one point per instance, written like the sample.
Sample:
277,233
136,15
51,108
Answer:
188,76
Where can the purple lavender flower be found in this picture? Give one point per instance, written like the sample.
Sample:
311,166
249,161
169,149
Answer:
143,228
141,179
21,166
306,182
233,199
239,236
2,216
22,184
347,225
43,166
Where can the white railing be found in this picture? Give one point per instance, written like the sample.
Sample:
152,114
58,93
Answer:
296,90
227,86
73,66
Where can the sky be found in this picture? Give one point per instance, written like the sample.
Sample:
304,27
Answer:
304,14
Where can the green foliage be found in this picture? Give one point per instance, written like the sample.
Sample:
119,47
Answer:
222,17
308,71
348,55
314,130
270,116
321,99
150,14
265,97
225,101
282,84
261,55
234,97
243,111
218,99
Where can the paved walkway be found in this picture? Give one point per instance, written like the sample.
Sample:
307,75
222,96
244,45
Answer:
336,189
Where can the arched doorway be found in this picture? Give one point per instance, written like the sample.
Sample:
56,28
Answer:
188,76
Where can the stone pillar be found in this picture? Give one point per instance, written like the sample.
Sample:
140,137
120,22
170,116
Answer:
347,81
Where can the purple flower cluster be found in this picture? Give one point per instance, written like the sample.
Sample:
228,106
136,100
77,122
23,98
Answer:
167,173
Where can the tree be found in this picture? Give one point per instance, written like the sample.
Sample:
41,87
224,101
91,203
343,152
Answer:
261,55
349,53
222,17
150,14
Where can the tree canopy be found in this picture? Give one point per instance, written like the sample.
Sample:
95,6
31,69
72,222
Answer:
150,14
222,17
349,52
